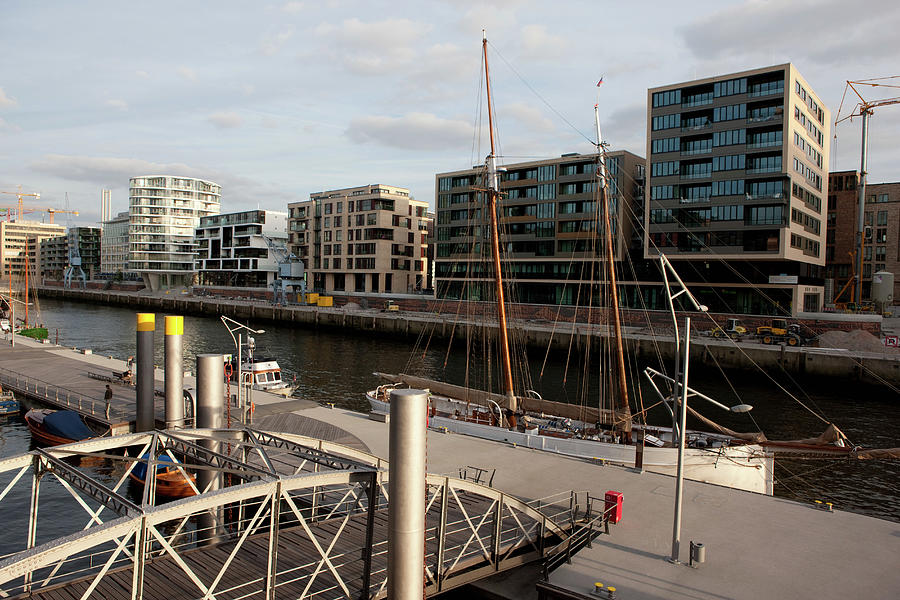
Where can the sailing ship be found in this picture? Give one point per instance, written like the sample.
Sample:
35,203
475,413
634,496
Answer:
611,434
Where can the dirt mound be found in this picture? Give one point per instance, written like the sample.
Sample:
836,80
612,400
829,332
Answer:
857,340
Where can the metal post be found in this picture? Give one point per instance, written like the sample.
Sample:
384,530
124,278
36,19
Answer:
406,510
239,378
33,512
144,388
372,499
210,407
861,215
682,414
274,527
174,372
12,324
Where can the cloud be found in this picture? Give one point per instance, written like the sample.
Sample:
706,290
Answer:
724,33
626,129
96,169
414,131
6,101
248,89
527,115
537,44
187,72
292,7
226,120
142,74
375,47
272,43
117,104
8,127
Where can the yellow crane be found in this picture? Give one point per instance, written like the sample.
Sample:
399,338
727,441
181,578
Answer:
863,109
21,209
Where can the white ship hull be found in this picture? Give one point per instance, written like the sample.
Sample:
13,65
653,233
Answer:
745,467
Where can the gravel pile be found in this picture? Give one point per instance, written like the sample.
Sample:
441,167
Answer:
855,341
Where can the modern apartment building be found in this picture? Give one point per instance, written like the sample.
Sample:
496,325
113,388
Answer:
20,243
54,257
371,238
548,219
88,240
737,176
236,249
164,212
881,240
114,247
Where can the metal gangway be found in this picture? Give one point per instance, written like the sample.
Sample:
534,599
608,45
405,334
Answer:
283,516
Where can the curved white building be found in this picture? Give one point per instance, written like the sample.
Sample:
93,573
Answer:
164,211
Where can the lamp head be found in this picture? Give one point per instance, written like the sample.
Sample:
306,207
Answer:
741,408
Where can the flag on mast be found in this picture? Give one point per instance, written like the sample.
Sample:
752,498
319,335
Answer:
599,83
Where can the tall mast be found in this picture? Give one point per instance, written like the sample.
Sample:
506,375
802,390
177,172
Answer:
493,193
623,407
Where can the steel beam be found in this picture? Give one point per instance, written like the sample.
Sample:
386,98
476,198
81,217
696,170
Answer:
90,486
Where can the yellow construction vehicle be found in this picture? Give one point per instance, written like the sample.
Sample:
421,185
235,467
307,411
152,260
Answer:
732,329
780,332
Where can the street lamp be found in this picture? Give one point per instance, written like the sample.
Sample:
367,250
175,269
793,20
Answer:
231,325
682,428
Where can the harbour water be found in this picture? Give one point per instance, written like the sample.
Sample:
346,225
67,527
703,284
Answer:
337,367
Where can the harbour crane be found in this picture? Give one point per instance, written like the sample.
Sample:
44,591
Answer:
74,267
290,271
864,108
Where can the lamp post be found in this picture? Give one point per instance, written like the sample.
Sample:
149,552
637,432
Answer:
233,326
681,415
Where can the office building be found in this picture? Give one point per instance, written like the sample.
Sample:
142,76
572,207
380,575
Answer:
20,244
549,220
114,248
371,238
881,239
105,199
164,212
241,249
54,257
737,176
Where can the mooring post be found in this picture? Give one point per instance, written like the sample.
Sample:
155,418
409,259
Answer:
144,388
406,508
210,407
174,373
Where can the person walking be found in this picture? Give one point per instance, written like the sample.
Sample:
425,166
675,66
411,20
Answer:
108,397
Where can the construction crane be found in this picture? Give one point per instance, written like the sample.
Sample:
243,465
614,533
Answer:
863,109
21,209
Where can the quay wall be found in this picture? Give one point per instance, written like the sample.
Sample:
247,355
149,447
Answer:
873,368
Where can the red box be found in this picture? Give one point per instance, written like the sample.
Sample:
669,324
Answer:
614,506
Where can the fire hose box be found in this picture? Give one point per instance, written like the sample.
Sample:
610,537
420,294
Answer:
614,506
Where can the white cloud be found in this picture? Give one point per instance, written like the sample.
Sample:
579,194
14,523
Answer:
118,104
8,127
272,43
6,101
248,89
414,131
187,72
226,120
292,7
142,74
101,169
375,47
538,44
528,116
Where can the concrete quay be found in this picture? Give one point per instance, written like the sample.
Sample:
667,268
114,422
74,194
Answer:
757,546
865,367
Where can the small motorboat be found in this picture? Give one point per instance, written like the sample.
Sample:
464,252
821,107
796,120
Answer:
170,481
55,427
8,403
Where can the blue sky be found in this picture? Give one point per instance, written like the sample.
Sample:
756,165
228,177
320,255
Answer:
277,100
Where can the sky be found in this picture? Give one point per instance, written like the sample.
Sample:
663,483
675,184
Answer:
277,100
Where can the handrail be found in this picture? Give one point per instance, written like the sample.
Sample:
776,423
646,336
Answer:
26,384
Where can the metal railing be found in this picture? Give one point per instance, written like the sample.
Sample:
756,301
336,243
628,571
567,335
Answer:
43,390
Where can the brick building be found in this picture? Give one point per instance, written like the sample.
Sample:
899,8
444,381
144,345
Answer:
881,247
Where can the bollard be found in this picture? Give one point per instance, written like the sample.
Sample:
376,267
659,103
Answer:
698,553
210,406
144,387
406,510
174,375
